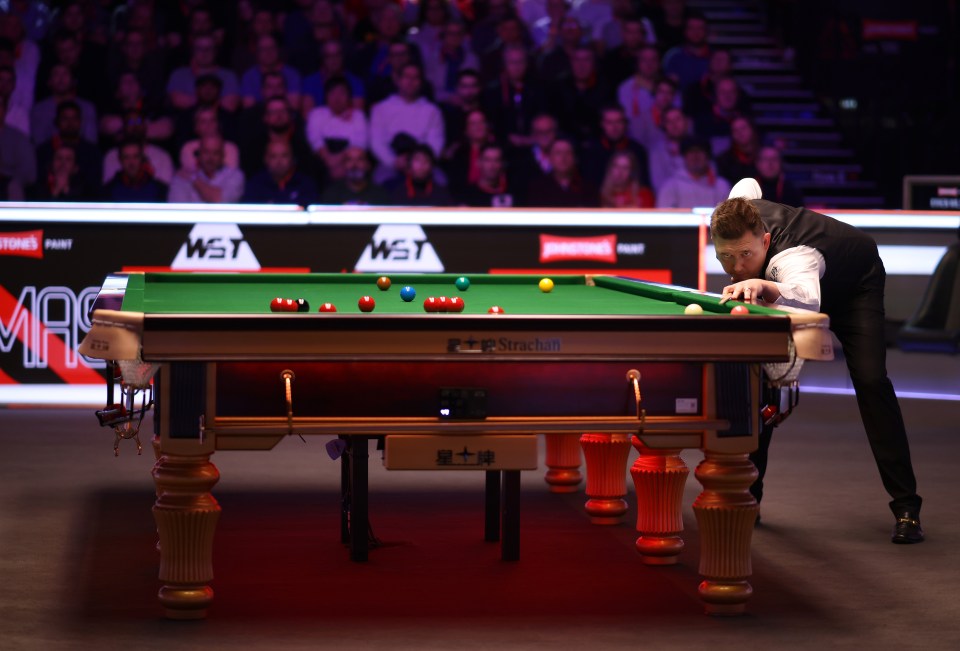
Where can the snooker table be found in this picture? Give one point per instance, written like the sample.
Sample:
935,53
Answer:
598,363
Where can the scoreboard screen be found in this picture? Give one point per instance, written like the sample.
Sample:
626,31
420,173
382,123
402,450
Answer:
931,193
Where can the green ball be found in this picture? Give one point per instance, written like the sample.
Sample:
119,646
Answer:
462,283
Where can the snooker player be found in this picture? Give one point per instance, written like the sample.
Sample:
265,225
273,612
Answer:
793,256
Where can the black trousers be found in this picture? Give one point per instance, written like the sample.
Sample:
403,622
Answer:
858,323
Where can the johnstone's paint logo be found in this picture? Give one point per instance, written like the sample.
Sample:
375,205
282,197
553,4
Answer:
26,244
215,247
399,248
602,248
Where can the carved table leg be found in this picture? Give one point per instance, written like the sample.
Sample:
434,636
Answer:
726,512
606,461
186,515
659,477
563,461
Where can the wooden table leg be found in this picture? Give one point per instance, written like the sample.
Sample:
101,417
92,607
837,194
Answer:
606,461
563,461
659,477
186,515
726,513
492,506
510,545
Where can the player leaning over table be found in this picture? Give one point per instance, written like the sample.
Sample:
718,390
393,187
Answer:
794,256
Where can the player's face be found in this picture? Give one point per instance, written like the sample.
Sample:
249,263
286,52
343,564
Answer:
742,258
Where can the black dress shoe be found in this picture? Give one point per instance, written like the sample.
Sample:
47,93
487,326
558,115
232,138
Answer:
907,529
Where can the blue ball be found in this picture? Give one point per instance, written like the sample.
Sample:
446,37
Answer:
408,293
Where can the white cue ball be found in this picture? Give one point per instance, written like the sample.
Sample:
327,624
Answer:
693,308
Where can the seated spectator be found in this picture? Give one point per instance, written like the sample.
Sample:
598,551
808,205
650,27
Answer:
442,65
715,124
208,91
545,29
698,99
580,97
513,99
280,181
134,128
696,185
555,64
773,181
646,128
407,112
383,86
139,56
212,181
465,99
356,187
278,122
23,55
419,186
335,126
17,117
269,61
61,180
427,30
509,33
129,98
67,126
371,61
181,87
492,188
613,138
621,186
324,23
529,163
594,16
563,187
664,155
62,88
134,182
11,190
460,159
636,93
620,62
205,124
739,161
332,65
260,22
687,63
18,160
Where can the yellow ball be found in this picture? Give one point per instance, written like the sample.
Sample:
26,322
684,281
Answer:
546,285
693,308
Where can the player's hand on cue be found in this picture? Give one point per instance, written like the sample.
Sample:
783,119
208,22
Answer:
748,291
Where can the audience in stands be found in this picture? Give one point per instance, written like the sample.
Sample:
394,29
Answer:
621,186
18,160
212,181
492,188
280,181
563,186
696,183
773,182
321,90
405,112
135,181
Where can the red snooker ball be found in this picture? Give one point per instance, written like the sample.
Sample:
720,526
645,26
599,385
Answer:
276,305
431,304
496,309
456,304
366,304
740,309
327,307
443,304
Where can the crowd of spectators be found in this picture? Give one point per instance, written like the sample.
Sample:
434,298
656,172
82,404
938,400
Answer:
545,103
